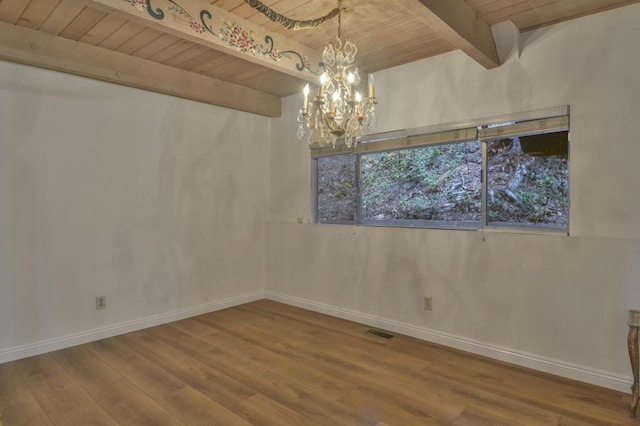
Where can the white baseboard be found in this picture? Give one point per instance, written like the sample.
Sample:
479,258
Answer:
559,368
19,352
568,370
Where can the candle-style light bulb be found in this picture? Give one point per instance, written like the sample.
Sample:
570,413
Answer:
305,101
371,88
334,99
351,79
358,104
323,81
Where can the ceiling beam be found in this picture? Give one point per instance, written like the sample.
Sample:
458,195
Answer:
458,23
213,27
26,46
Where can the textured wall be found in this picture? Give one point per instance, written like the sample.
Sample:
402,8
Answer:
154,201
558,297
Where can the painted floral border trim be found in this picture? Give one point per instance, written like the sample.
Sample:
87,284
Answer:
229,32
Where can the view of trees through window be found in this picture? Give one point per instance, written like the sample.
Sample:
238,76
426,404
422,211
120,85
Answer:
337,189
441,185
530,187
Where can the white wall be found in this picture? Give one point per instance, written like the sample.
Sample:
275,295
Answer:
552,302
154,201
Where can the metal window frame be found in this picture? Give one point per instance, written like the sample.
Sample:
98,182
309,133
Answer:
534,122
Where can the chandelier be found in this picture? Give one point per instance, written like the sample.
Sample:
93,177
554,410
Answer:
338,110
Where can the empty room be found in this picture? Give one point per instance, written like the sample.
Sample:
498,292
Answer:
319,212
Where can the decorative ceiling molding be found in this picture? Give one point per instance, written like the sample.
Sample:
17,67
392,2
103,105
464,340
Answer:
218,29
30,47
457,22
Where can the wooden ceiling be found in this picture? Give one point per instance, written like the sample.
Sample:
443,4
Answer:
226,53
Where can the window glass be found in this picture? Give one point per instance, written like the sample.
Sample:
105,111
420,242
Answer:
527,181
432,183
337,189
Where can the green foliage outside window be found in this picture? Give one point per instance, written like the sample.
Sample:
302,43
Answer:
430,183
525,188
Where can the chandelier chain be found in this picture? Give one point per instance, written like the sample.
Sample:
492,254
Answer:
339,18
293,24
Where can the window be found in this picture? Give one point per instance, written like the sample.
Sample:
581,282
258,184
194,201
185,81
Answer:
525,186
337,189
439,183
512,174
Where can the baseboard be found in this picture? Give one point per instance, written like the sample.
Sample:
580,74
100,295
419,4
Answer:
568,370
19,352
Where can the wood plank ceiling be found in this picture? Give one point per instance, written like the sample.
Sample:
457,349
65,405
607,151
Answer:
127,44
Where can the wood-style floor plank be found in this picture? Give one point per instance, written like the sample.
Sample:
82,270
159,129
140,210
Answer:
17,404
267,363
481,378
61,398
182,401
254,367
122,400
328,356
206,379
391,371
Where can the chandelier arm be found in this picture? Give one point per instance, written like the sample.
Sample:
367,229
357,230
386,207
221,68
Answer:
288,23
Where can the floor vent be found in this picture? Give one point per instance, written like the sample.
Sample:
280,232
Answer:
382,334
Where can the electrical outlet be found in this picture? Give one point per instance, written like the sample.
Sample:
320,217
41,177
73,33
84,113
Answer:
101,302
428,303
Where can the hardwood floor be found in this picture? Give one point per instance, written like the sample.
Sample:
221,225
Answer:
266,363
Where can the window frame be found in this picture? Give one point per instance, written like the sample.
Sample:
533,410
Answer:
540,117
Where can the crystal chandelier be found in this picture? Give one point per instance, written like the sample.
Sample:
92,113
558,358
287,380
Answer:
338,111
